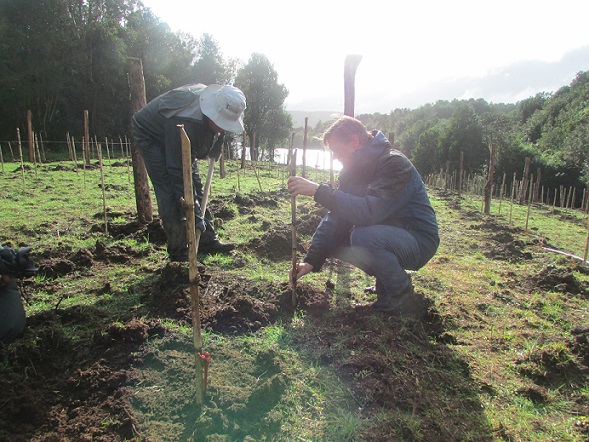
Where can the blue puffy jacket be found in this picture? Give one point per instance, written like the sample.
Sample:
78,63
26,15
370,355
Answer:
382,187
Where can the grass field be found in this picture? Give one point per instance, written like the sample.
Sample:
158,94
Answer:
108,352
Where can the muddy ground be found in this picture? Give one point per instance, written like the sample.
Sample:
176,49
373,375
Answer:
95,389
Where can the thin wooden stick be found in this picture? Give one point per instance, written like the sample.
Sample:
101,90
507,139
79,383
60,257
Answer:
257,176
22,164
293,204
586,241
99,150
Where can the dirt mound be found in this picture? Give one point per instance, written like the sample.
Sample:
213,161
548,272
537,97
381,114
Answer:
580,344
71,391
275,243
552,366
152,232
226,305
55,263
557,279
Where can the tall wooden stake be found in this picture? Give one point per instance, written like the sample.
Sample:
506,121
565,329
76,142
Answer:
490,179
30,136
99,147
193,237
139,100
86,138
293,205
304,171
350,66
22,165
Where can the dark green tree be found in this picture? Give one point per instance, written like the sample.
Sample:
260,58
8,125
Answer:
210,66
265,99
464,133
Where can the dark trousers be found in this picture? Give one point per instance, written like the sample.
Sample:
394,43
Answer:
386,252
12,313
164,167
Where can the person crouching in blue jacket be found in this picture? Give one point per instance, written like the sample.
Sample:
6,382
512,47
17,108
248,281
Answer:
380,217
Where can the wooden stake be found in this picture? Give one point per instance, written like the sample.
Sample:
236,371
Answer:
42,144
99,149
350,66
36,156
22,165
243,150
489,183
74,152
30,136
193,237
502,192
531,196
586,243
11,152
84,162
293,205
86,138
512,197
304,171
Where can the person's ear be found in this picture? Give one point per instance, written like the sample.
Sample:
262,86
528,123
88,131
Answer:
355,141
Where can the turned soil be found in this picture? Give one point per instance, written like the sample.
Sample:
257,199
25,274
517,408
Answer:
95,388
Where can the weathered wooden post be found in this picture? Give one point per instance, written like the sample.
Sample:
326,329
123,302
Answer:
22,165
30,136
490,178
243,150
524,188
86,138
138,101
303,171
461,172
350,66
502,192
99,150
293,207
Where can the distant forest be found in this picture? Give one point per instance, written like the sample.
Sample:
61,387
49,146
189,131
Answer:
61,57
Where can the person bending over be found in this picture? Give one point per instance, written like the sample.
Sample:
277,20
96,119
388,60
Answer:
206,113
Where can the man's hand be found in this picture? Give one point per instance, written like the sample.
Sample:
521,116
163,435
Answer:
298,185
302,269
5,280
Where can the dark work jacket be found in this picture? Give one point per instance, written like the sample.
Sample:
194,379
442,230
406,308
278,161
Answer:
158,120
382,187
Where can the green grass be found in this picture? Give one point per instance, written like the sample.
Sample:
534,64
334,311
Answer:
493,371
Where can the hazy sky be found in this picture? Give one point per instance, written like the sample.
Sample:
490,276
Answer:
414,52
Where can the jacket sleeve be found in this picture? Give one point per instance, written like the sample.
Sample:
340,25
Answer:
326,238
390,190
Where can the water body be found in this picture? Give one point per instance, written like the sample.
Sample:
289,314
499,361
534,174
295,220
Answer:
317,158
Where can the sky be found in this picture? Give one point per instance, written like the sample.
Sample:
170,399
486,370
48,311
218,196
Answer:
413,52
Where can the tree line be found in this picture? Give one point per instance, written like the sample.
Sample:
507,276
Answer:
59,58
550,129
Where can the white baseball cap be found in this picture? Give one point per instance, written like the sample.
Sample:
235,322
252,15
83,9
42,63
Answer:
224,105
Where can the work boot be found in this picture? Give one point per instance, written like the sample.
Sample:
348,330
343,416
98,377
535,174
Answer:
376,289
407,303
216,246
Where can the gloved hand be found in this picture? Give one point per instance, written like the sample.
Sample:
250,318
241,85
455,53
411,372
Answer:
199,220
16,262
217,148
